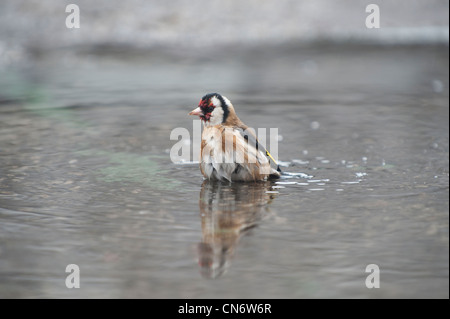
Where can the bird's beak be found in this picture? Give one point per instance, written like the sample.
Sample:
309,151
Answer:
197,111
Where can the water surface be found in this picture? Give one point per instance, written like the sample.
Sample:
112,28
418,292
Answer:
86,178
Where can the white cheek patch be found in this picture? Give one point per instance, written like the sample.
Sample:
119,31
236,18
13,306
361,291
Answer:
215,101
216,116
218,113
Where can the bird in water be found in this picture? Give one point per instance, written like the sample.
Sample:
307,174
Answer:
229,149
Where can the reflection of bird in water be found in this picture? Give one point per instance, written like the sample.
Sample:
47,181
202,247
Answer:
227,212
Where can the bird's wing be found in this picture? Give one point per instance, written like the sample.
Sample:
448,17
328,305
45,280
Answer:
237,149
250,136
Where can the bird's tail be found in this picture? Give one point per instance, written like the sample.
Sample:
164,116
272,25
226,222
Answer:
275,173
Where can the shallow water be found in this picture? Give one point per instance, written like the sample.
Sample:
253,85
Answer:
86,178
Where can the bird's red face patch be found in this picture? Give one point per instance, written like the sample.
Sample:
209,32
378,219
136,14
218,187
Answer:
207,107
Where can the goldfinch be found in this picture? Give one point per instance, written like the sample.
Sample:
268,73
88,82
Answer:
229,149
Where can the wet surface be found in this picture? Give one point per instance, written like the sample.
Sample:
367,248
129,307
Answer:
86,177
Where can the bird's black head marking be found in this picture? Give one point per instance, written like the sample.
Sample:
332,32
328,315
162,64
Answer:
207,106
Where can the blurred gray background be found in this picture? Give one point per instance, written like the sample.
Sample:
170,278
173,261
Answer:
40,25
86,177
